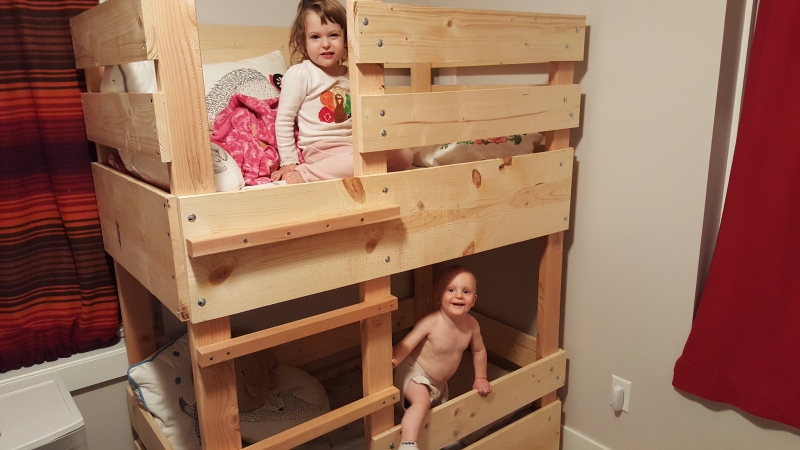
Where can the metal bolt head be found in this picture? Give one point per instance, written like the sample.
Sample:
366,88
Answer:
565,99
572,114
565,218
192,217
391,446
577,30
383,132
549,418
380,42
388,258
567,46
366,21
385,190
551,369
201,302
558,377
383,113
561,163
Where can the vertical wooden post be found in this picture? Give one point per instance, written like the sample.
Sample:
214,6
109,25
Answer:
215,389
137,319
548,319
423,292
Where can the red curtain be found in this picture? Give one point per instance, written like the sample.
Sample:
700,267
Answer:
57,295
744,346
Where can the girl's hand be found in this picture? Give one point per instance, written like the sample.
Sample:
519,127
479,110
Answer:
483,386
278,174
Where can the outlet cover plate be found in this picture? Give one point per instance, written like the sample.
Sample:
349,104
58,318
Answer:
626,386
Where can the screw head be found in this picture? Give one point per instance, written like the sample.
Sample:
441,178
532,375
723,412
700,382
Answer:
366,21
565,99
383,113
572,114
577,30
561,163
192,217
201,302
383,133
565,218
388,258
567,46
385,190
380,42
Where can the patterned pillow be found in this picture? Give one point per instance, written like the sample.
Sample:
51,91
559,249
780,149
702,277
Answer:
255,77
475,150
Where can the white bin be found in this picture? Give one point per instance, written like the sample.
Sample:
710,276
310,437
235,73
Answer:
39,414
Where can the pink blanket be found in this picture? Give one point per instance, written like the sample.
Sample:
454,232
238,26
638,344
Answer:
246,130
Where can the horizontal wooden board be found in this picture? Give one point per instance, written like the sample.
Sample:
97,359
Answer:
218,352
392,33
114,32
446,212
469,412
221,43
135,123
227,241
506,342
540,430
142,421
416,119
141,232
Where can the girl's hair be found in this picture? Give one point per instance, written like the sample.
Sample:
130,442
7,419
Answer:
444,278
328,11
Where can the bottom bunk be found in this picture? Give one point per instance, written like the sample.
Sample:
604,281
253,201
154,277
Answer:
484,422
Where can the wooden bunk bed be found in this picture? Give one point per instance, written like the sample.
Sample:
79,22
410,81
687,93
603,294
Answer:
208,255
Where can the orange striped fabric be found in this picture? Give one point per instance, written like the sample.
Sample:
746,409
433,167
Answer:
57,294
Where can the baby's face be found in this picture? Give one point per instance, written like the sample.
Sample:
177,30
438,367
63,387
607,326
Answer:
459,294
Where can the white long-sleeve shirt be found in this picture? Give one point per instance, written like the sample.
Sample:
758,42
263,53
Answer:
321,104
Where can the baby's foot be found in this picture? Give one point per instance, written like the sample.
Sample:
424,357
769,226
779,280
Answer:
293,177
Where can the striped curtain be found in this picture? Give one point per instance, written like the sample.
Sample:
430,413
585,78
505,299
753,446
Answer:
57,294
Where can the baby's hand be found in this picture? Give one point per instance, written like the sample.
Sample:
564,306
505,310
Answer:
483,386
394,363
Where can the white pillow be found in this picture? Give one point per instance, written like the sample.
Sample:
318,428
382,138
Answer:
257,77
164,386
227,174
136,78
475,150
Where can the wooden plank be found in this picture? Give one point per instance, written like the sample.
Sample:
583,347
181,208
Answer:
138,444
445,215
221,43
417,119
215,389
506,342
326,423
418,34
313,348
134,305
250,343
423,292
376,354
548,318
141,232
540,430
223,242
448,88
134,123
180,78
142,421
114,32
469,412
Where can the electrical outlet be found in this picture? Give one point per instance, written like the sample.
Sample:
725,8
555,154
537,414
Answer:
626,387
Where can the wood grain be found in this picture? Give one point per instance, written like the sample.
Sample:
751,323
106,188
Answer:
506,342
376,354
540,430
222,43
134,305
423,34
114,32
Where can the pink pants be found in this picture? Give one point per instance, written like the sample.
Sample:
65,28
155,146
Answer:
333,159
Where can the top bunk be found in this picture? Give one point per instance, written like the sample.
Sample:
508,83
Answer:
208,254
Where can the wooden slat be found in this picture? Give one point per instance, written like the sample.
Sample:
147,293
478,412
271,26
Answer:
180,79
223,242
142,421
313,348
133,123
420,34
540,430
506,342
417,119
469,412
260,340
114,32
215,389
221,43
141,232
134,305
447,212
376,354
326,423
448,88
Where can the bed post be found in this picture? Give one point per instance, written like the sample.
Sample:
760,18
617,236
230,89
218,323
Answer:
376,332
548,318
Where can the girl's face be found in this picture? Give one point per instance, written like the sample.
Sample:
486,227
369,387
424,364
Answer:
325,44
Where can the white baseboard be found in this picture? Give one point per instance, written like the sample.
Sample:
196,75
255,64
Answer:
576,441
80,370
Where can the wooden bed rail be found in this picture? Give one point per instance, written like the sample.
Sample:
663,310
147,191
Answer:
227,241
392,33
244,345
509,393
114,32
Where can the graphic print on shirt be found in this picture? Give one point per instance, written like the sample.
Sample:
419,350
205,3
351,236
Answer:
335,105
